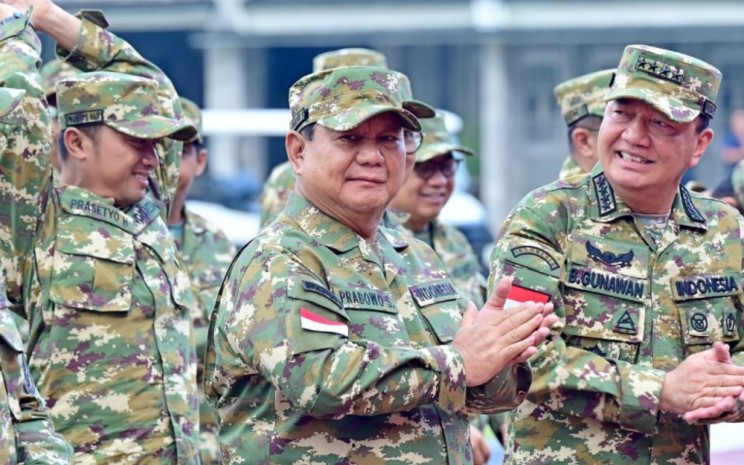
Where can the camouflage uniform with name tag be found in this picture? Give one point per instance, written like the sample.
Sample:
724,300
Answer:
631,309
326,349
110,344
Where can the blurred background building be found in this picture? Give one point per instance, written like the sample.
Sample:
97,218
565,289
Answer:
493,62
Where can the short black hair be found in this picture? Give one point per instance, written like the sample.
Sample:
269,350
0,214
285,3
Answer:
591,122
308,132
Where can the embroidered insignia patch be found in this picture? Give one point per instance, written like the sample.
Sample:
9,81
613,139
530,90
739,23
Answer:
689,206
609,258
605,195
537,252
626,324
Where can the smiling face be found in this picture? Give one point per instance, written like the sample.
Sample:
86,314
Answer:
644,154
423,199
118,166
351,175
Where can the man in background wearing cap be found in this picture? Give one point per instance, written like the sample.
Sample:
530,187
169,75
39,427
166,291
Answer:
337,339
110,345
582,106
206,252
52,72
26,430
645,278
281,181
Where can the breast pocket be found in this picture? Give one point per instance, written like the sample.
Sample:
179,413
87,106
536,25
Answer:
440,304
605,289
373,316
708,309
93,270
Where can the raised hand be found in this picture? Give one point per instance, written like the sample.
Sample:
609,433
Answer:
493,338
703,386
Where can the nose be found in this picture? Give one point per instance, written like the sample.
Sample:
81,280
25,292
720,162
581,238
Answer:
437,178
636,132
370,153
149,155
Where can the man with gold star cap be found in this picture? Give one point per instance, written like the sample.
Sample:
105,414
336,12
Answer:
111,343
645,277
582,104
341,340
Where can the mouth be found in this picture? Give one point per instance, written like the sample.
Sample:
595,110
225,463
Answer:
143,178
632,158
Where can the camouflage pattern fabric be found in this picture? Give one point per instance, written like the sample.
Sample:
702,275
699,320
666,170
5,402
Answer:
26,431
340,98
569,168
630,309
583,96
192,114
111,344
52,72
680,86
327,348
276,190
206,253
349,57
437,140
456,253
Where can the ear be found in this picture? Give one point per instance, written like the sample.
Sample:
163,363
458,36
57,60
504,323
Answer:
581,142
703,140
77,143
295,145
201,161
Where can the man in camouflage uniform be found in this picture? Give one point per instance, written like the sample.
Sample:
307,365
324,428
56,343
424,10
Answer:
337,339
424,195
281,181
582,108
27,434
52,72
111,343
206,252
646,280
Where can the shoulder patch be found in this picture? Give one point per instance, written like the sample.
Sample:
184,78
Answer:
537,252
318,289
605,195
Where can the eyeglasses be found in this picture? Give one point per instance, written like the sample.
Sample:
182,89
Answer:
412,140
426,170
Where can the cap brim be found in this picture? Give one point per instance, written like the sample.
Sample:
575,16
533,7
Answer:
673,108
155,127
419,109
9,99
428,151
350,119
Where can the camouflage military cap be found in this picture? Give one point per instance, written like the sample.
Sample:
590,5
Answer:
677,85
9,99
438,140
349,57
126,103
342,98
583,96
192,115
417,107
54,71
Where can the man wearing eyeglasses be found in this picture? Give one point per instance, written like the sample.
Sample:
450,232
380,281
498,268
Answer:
422,198
582,108
336,340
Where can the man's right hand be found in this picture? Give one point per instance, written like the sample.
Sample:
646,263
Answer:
706,383
494,338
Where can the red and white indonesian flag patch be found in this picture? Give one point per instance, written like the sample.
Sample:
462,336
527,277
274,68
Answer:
518,295
314,322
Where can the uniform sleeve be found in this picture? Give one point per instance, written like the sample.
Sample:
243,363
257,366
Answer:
25,134
100,50
568,379
36,440
266,323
